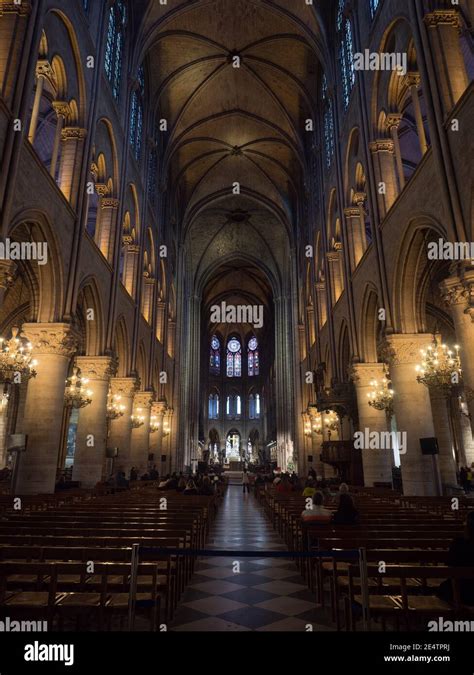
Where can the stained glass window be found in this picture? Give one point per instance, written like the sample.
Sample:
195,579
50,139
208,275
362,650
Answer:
215,356
346,54
136,115
152,174
373,6
234,358
114,45
253,365
328,123
214,406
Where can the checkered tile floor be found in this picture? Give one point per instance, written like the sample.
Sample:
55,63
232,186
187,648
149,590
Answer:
246,594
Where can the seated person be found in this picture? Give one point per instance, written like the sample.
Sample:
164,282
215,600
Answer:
191,488
346,513
163,485
461,554
317,512
284,485
309,488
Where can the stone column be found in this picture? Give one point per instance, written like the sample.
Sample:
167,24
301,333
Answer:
335,267
356,240
53,346
160,320
413,82
139,445
377,464
385,174
108,225
458,294
70,166
43,72
171,338
158,409
412,408
63,111
130,266
121,428
91,436
443,27
393,122
442,425
322,302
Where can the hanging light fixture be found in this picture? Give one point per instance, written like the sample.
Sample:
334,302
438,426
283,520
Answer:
77,395
137,419
440,368
16,359
115,409
154,424
166,428
381,396
307,428
331,421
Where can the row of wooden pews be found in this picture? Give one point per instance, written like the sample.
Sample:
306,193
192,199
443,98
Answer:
72,564
404,542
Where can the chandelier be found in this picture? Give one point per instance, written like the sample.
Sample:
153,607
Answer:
77,395
166,428
16,359
381,396
307,428
115,409
154,424
137,419
440,368
331,421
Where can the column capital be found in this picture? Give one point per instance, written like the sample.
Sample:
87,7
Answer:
442,17
9,7
362,374
123,386
109,203
382,145
393,120
159,407
73,134
413,79
51,338
101,189
143,399
333,256
352,212
404,348
43,67
97,367
62,108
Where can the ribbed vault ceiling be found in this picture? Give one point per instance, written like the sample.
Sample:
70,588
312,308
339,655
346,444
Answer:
227,124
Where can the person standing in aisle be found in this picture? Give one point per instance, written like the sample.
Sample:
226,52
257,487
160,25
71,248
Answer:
245,482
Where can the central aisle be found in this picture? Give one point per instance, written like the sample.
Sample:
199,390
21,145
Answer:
256,594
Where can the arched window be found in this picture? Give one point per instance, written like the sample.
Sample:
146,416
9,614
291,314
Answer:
237,406
253,363
114,46
257,406
328,122
234,358
346,53
85,4
214,406
228,410
373,6
215,356
136,115
254,406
